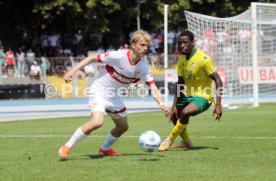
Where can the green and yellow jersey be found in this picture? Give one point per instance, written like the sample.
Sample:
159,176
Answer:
196,72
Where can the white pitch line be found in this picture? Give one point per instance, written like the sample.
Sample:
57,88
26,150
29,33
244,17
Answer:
55,136
241,137
133,136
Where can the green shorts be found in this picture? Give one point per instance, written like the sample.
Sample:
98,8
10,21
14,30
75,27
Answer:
200,102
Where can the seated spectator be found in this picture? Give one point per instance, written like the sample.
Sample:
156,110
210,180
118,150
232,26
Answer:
35,72
67,52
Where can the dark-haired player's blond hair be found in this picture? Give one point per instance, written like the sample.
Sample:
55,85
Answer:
138,35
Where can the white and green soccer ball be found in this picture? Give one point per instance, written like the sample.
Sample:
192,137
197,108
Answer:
149,141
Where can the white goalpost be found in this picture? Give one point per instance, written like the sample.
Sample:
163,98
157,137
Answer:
166,53
243,49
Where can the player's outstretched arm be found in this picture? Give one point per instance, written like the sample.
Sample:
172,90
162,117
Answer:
178,89
68,76
218,109
158,98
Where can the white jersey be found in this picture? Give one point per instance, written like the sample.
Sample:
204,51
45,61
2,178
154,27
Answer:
120,71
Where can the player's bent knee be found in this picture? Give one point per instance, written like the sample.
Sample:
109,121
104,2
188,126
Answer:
95,123
124,128
174,119
189,112
185,114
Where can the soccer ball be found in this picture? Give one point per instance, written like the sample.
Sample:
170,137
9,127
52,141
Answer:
149,141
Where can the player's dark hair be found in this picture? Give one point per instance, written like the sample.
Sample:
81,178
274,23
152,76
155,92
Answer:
188,34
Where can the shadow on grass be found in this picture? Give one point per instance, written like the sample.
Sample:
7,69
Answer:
150,157
130,154
194,148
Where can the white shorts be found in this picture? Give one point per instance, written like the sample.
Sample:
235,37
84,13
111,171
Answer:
113,107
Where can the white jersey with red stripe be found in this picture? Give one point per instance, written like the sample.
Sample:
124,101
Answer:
120,71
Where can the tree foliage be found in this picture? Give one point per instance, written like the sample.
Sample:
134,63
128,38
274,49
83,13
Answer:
111,17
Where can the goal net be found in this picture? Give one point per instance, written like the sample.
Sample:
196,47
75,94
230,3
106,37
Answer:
243,49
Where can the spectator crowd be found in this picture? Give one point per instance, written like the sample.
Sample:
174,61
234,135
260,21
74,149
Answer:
49,52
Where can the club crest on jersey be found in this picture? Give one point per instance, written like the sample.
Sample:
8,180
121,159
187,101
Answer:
193,65
136,74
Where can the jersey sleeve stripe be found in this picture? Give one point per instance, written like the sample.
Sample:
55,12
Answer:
213,74
150,83
99,58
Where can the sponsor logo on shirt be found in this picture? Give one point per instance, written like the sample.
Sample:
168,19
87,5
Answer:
119,77
188,74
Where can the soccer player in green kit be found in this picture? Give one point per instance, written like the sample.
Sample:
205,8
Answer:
197,72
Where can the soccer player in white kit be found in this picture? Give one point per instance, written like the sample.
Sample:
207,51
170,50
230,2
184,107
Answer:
122,68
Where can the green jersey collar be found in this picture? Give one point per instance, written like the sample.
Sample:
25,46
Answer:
192,54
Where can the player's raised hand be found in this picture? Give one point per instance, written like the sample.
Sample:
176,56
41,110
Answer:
217,112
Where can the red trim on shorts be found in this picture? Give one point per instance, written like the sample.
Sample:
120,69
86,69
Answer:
117,112
119,77
99,58
150,83
131,63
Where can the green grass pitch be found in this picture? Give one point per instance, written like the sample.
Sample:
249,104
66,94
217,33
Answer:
240,147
